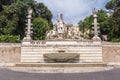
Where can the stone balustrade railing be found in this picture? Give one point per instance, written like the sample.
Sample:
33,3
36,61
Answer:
43,42
68,43
38,42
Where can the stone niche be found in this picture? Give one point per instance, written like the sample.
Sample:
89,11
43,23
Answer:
63,44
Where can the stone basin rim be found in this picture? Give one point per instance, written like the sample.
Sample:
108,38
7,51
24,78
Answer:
61,56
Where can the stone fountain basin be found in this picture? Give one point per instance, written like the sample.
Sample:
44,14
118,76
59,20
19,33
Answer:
61,57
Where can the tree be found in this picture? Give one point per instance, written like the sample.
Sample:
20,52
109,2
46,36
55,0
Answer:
39,28
42,11
13,15
13,18
113,4
86,24
114,19
103,20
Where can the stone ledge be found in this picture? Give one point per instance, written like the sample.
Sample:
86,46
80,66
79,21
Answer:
7,64
59,70
114,64
10,44
60,65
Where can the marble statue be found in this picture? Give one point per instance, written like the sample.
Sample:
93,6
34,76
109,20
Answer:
60,24
63,31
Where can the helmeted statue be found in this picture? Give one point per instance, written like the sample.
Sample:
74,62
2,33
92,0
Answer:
60,24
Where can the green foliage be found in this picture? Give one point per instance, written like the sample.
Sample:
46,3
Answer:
115,39
86,24
103,20
114,21
39,28
9,38
111,4
42,11
13,15
109,25
115,24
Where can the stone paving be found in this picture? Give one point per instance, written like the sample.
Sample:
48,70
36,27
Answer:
59,69
112,74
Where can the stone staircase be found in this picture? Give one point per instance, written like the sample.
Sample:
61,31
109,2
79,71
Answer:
61,65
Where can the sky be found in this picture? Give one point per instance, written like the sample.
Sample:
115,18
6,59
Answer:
73,10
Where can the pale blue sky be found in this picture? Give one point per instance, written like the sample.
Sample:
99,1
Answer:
73,10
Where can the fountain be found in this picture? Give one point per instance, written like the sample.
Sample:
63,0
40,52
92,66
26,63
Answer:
61,56
63,44
62,31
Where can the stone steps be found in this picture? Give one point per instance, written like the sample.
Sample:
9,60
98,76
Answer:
61,65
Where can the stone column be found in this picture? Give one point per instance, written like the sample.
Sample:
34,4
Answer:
27,39
28,28
95,26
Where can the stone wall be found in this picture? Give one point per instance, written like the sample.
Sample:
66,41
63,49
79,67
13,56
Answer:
111,52
10,52
89,51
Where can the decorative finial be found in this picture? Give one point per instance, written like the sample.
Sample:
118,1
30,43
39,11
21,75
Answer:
57,17
30,11
94,11
61,16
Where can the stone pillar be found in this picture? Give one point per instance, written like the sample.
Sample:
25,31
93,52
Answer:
28,32
95,26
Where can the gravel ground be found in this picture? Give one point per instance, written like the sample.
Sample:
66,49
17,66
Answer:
112,74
